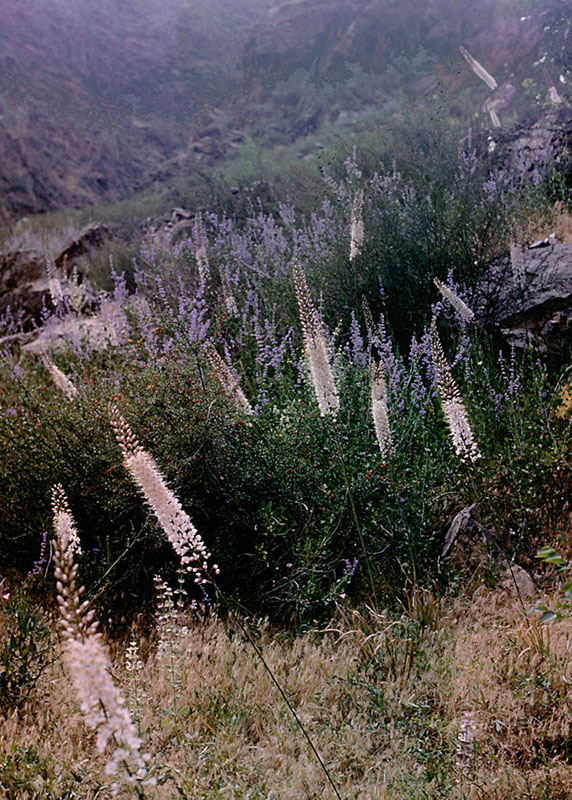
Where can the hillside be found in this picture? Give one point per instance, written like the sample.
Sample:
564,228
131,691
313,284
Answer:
99,102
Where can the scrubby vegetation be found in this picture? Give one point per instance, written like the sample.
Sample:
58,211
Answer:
320,433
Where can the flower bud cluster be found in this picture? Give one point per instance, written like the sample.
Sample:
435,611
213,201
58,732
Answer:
452,402
379,410
58,377
85,657
356,225
229,382
315,348
459,305
176,524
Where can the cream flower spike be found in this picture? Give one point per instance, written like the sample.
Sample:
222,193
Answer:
452,402
315,348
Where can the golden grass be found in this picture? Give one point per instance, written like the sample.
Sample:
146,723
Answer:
460,699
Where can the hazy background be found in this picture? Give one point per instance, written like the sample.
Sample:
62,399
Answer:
99,100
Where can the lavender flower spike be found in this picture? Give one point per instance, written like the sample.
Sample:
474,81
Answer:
315,348
452,402
379,411
85,657
178,528
459,306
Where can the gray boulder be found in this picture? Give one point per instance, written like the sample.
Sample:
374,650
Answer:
23,286
92,236
527,296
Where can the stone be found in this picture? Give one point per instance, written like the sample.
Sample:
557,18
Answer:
530,146
92,236
528,298
24,287
470,544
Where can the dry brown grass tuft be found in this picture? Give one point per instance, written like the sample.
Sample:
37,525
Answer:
459,699
511,682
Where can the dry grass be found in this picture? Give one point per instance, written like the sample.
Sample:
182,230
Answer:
511,683
558,222
459,700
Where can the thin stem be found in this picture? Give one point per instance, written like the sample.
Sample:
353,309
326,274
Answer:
356,520
281,691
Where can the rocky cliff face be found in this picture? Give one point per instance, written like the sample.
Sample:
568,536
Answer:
326,34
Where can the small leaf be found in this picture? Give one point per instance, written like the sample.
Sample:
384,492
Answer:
548,616
555,559
544,552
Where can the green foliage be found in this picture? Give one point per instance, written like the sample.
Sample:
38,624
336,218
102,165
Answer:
25,649
563,606
25,774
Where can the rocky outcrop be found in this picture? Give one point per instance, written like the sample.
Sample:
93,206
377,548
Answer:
528,298
470,546
325,32
92,236
526,149
23,287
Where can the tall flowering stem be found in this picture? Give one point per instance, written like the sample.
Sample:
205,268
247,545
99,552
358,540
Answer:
452,402
176,524
356,225
201,254
459,306
229,382
379,410
315,348
85,657
59,378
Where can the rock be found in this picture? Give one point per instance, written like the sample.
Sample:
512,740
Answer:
92,236
106,328
529,147
164,230
24,286
464,529
470,544
500,99
516,579
529,299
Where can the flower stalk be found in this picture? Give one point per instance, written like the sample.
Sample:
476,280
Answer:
229,382
379,410
315,348
175,522
452,402
86,659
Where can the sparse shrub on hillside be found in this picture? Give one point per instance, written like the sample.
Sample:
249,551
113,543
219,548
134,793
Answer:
285,499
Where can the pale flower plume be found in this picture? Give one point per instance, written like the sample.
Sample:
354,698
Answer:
379,410
228,296
452,402
228,381
54,284
315,348
59,378
176,524
201,251
356,225
458,304
85,657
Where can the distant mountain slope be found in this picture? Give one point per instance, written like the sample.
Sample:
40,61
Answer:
94,96
99,99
